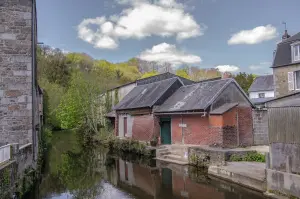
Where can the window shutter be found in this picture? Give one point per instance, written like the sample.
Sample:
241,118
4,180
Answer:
291,81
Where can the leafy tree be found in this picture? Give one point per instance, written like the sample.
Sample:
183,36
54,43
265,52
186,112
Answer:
184,72
244,80
149,74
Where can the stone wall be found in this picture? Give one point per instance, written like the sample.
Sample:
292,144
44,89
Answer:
16,71
260,127
281,79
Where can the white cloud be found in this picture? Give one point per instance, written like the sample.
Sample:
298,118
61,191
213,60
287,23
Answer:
254,36
261,68
164,18
167,53
227,68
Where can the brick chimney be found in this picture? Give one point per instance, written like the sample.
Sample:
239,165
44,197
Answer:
285,35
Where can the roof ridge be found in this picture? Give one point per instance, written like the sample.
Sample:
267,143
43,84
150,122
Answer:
214,80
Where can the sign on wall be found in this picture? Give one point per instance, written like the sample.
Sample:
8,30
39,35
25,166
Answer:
182,125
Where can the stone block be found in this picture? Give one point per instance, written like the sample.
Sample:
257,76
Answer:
2,28
13,93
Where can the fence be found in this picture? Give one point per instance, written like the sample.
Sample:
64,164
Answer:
284,125
5,153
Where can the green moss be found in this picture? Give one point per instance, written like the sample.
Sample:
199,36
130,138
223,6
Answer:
249,157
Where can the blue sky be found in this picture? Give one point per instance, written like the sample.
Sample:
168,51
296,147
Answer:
233,35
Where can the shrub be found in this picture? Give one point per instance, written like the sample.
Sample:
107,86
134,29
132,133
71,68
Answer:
252,156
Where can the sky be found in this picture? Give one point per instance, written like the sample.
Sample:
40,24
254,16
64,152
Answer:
231,35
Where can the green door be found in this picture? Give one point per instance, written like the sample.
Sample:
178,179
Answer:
166,132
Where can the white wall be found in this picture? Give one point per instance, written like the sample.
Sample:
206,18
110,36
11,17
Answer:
122,92
129,125
131,179
254,95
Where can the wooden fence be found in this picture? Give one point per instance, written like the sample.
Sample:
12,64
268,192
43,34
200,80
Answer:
5,153
284,125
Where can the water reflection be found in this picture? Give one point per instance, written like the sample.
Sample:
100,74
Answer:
74,171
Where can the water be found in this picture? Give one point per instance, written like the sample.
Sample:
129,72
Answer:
73,171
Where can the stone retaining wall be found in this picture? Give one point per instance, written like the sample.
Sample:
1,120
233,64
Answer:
260,127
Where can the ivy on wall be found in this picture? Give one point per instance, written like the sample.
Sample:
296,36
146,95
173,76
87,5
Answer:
116,97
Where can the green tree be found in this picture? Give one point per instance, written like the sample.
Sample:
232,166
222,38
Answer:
244,80
149,74
184,72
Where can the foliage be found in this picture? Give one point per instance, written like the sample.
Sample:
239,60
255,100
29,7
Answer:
249,157
116,100
52,66
184,72
149,74
244,80
198,74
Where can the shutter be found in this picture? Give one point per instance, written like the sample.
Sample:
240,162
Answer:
291,81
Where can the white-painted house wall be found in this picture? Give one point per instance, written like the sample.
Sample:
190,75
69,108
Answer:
254,95
122,92
129,125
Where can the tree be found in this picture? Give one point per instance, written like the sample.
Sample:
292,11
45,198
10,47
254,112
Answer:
183,73
149,74
244,80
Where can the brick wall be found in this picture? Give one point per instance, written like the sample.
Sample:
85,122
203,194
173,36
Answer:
260,127
281,79
144,127
15,71
245,127
198,131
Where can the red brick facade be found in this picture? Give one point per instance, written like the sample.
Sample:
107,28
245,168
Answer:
145,127
219,130
198,131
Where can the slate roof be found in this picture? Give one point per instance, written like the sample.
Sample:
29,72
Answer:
194,97
163,76
223,109
262,83
261,100
146,95
283,54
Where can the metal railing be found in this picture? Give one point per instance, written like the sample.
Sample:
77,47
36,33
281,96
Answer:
5,153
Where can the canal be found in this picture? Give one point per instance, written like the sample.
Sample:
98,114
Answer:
89,172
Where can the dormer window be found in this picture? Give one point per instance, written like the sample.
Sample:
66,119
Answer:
296,52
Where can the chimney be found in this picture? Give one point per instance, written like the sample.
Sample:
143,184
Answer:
285,35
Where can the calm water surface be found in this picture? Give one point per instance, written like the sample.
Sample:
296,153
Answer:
73,171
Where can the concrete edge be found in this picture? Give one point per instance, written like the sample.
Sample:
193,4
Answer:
245,181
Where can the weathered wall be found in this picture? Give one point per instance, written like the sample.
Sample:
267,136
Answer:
285,183
245,127
145,127
260,127
197,130
15,71
281,79
139,127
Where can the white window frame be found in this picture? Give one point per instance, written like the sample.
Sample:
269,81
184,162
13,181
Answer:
295,80
295,46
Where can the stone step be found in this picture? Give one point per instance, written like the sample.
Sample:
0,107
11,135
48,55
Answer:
174,157
173,161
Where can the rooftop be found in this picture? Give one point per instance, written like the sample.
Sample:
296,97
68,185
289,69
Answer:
262,83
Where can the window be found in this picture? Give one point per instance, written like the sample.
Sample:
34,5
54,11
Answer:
261,95
297,79
296,52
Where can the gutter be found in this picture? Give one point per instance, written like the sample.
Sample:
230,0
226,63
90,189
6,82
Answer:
182,113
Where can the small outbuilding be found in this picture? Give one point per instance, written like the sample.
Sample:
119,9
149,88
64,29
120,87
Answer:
215,113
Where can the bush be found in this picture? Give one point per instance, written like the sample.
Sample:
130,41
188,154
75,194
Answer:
249,157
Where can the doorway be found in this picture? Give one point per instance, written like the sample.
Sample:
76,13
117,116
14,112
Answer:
165,130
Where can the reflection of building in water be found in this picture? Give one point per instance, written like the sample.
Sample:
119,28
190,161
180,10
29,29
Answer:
163,183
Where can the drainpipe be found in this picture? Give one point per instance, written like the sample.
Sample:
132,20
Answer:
182,131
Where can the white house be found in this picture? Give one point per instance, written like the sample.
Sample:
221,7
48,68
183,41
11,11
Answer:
262,89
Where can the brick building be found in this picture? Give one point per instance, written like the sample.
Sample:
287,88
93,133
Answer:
209,112
19,94
214,112
134,114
